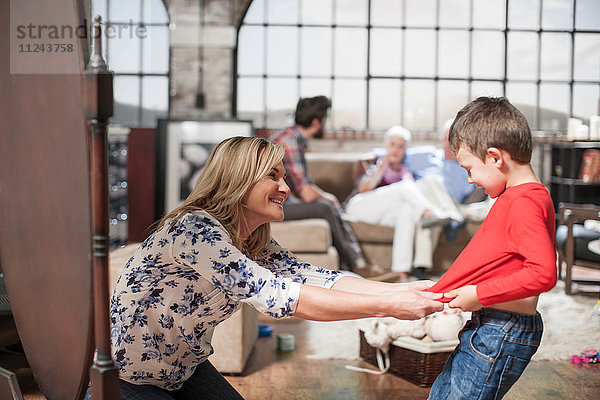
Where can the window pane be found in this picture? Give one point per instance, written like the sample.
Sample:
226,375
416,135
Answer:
522,55
386,13
557,14
315,87
488,55
523,96
587,56
351,12
250,100
127,100
479,88
99,8
385,52
155,99
556,56
452,96
124,11
489,13
282,50
316,12
256,12
123,51
455,13
315,58
282,97
251,48
155,12
524,14
349,104
282,11
453,59
586,14
156,50
419,98
420,52
585,100
554,106
420,12
384,103
350,52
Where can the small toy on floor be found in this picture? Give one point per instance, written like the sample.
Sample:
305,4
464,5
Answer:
587,357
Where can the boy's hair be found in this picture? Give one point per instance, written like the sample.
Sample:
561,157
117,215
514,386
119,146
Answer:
310,108
492,122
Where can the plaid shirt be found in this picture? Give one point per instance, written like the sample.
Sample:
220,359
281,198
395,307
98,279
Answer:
295,146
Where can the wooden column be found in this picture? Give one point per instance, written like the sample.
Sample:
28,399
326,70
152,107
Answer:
99,86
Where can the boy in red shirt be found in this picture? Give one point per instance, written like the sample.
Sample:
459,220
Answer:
509,261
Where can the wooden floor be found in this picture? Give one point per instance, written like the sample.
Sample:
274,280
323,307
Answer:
273,375
289,376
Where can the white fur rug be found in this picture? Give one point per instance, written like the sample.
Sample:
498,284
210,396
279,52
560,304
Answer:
569,328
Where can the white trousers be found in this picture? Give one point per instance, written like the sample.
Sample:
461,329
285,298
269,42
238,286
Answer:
401,206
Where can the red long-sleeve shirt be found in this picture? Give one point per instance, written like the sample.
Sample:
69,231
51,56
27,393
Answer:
512,255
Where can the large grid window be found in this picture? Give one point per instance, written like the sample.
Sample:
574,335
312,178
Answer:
136,48
417,62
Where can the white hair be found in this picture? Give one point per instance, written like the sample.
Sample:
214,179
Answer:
397,131
445,128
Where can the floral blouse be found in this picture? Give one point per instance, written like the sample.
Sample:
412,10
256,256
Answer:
181,283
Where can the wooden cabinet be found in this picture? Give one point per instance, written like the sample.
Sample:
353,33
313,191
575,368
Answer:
565,183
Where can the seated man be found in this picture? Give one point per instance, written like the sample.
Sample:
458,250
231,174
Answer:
307,200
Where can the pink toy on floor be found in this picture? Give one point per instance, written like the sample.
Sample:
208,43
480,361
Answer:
587,357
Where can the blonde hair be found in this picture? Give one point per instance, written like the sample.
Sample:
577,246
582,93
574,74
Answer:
232,169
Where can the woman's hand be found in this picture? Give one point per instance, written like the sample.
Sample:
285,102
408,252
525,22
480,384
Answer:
420,285
414,304
373,176
465,298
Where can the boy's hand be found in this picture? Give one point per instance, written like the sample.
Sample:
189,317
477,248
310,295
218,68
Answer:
465,298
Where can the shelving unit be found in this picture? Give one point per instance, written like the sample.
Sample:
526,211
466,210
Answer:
565,185
118,207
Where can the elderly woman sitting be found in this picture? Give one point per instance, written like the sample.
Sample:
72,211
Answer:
388,195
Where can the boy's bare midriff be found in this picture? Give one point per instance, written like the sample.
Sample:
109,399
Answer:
522,306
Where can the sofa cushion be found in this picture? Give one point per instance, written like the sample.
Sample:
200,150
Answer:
335,172
329,260
311,235
372,233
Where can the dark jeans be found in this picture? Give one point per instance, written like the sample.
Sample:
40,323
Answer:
343,237
206,383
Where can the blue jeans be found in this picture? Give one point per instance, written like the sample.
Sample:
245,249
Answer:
206,383
495,347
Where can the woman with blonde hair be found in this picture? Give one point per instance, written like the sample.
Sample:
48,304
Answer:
210,255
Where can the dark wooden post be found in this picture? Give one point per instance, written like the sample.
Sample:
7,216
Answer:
98,83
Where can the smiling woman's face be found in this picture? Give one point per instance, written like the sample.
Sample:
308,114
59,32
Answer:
264,201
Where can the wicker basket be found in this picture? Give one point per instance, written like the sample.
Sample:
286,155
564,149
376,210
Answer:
414,366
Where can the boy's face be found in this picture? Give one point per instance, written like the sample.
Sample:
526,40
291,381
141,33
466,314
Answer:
485,174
